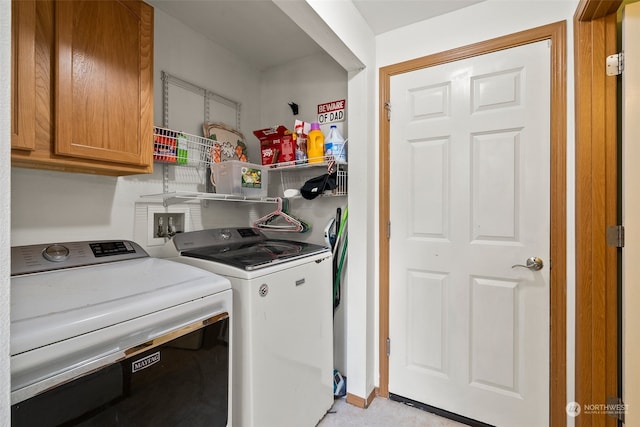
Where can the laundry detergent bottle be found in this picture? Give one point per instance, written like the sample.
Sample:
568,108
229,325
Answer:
315,144
334,145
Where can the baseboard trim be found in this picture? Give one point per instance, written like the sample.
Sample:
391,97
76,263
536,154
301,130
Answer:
361,402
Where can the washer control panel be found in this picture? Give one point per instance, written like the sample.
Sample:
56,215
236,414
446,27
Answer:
55,256
56,253
121,247
216,237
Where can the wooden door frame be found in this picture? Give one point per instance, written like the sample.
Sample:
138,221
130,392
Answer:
595,37
556,33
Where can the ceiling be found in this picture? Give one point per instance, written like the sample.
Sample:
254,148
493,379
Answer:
387,15
262,35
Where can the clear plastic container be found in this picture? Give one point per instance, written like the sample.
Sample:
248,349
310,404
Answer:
182,149
240,178
301,142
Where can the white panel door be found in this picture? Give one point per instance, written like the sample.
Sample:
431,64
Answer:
630,209
470,179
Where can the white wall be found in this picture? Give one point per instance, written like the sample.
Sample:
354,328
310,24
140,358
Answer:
52,206
183,53
483,21
308,82
5,163
341,31
362,331
55,206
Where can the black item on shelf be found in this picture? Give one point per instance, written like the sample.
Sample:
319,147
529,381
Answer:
318,185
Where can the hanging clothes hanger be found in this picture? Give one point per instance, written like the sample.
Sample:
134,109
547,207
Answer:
280,220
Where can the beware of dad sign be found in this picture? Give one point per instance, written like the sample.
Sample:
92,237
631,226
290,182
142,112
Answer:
331,112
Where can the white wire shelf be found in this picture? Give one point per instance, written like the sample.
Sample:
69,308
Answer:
295,176
176,148
184,149
299,164
174,197
181,148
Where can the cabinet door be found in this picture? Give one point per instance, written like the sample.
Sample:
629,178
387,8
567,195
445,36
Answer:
23,88
104,86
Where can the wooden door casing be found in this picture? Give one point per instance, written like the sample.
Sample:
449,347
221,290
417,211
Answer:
596,351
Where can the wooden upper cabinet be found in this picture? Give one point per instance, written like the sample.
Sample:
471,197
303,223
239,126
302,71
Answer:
23,89
93,87
104,59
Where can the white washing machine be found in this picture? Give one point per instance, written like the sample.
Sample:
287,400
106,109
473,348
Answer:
100,332
283,323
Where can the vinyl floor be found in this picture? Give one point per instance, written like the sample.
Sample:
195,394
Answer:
382,413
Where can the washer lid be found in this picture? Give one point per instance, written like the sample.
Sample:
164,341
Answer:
253,256
56,305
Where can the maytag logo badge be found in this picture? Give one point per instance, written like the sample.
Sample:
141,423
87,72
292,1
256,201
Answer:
145,362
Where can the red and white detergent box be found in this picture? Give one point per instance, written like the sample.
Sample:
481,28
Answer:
276,145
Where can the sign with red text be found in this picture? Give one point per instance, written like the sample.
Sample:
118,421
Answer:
331,112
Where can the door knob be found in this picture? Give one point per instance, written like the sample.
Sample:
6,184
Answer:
534,263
